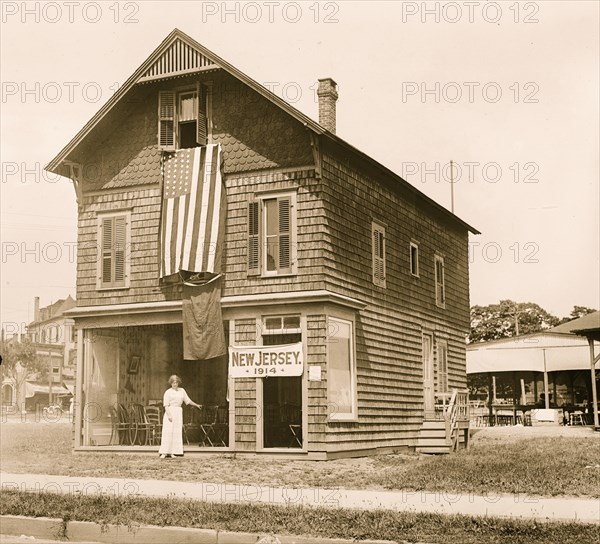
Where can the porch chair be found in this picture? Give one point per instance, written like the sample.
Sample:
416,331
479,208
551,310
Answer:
140,427
208,422
292,418
121,425
191,421
221,426
154,417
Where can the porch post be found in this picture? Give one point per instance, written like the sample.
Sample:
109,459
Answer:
593,370
490,399
546,395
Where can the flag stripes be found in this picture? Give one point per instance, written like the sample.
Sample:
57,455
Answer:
192,193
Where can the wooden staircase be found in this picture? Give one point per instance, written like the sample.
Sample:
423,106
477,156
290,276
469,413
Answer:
440,431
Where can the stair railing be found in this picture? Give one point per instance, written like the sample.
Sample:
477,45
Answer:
456,411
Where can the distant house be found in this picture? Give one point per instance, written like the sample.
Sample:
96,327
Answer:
344,289
53,335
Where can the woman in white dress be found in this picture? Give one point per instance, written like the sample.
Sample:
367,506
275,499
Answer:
171,443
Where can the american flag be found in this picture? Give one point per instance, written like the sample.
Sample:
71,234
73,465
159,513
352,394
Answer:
191,211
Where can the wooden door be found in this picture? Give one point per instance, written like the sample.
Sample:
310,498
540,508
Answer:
428,382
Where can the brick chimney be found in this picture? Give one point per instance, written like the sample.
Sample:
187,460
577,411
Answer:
36,309
328,95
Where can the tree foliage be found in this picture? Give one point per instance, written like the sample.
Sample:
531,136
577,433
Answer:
503,319
577,312
20,362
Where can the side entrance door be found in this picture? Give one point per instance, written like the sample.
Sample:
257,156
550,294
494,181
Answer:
428,386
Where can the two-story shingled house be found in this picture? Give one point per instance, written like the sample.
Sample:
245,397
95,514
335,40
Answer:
322,248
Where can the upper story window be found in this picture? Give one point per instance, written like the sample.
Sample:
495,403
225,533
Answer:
183,118
414,259
113,262
272,234
378,250
440,282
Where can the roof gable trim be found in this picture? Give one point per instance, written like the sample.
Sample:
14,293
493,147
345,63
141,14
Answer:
179,58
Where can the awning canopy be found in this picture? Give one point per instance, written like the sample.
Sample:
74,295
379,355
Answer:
538,353
32,389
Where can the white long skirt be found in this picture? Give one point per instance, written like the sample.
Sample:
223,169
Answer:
172,440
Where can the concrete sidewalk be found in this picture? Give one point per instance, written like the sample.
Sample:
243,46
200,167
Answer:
503,506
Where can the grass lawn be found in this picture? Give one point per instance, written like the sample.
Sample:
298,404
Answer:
525,460
295,520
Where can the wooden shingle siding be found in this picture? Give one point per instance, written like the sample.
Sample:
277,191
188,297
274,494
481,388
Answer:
389,330
246,411
317,410
125,172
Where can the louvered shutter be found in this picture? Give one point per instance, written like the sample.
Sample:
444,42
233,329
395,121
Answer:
166,120
107,256
120,250
440,282
202,124
253,237
378,256
442,367
284,206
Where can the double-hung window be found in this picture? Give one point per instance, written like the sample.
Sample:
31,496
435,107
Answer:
440,282
183,118
114,254
272,234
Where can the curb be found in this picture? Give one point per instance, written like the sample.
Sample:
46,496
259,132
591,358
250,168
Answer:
54,528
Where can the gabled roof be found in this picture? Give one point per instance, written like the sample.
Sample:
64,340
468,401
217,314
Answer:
55,310
178,55
587,325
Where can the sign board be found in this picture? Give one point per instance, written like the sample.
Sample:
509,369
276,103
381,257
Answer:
266,361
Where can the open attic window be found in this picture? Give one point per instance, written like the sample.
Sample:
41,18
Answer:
183,118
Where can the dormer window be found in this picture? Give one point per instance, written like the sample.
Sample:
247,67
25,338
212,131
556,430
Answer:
183,118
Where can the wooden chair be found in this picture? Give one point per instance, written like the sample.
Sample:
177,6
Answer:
191,422
121,425
221,427
291,416
208,422
154,416
140,427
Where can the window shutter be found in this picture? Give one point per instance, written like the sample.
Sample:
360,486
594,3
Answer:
378,256
440,289
253,237
442,367
107,234
284,233
202,125
119,250
166,120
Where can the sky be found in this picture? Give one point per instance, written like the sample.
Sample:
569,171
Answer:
508,91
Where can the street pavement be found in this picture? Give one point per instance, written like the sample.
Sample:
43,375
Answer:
516,506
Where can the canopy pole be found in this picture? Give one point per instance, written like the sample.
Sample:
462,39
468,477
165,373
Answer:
490,397
594,393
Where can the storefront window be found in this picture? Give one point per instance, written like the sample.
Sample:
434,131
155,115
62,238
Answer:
125,375
341,372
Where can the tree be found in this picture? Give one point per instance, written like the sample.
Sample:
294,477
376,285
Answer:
507,319
20,362
576,312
